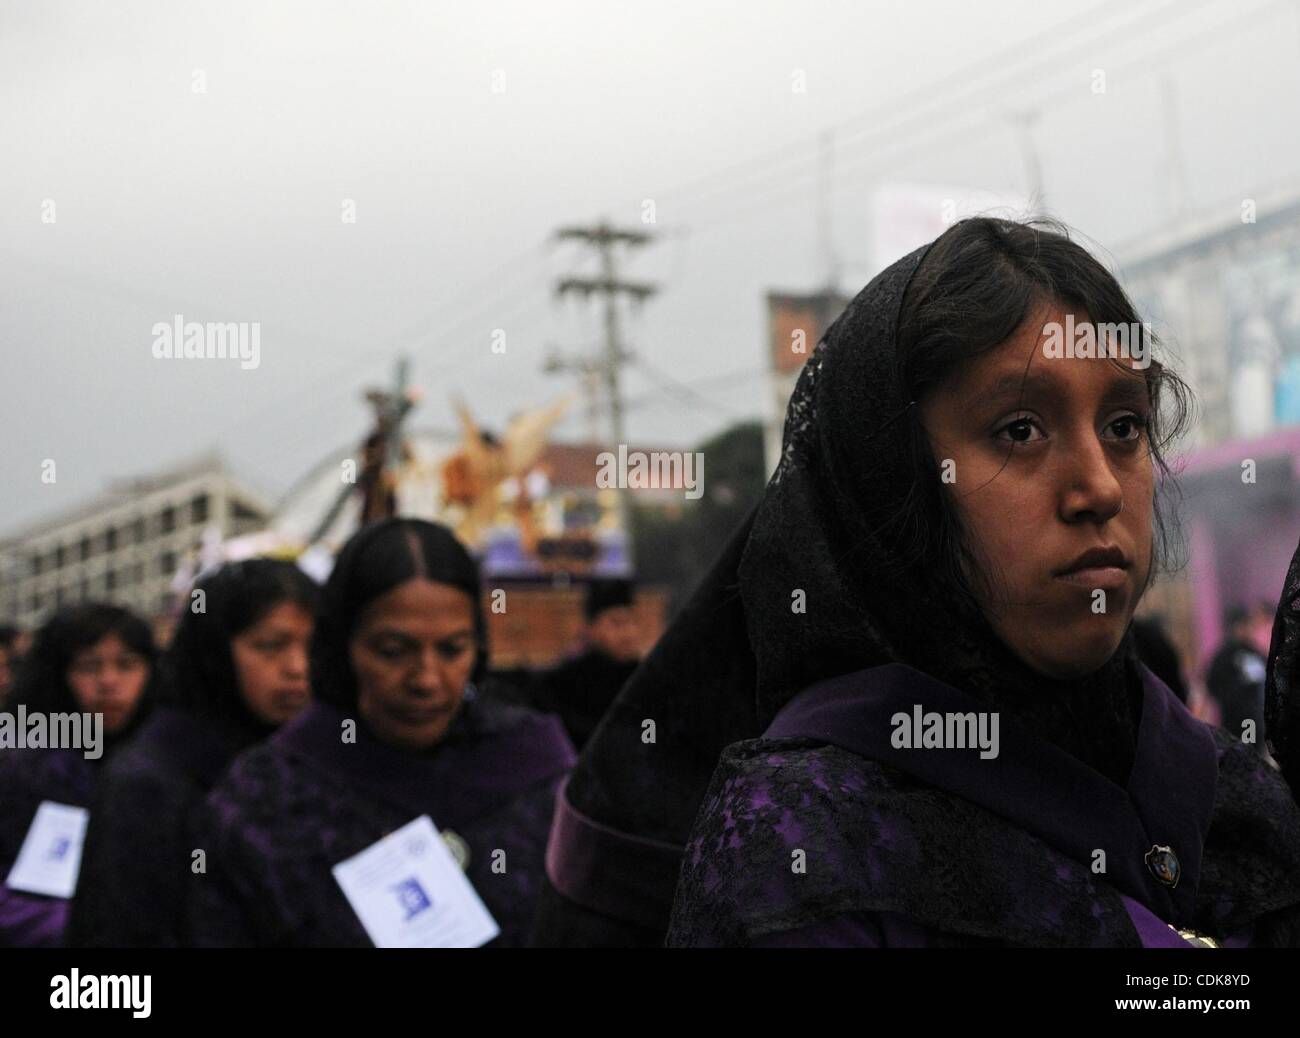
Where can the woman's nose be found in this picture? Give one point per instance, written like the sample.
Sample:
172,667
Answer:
1091,492
427,677
297,661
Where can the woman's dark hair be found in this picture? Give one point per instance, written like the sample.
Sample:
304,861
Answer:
198,669
42,683
978,283
375,560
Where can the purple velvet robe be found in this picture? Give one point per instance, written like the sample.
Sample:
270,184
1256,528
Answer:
28,777
136,866
291,808
823,833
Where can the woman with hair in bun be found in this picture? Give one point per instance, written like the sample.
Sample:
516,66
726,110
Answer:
236,670
95,661
398,742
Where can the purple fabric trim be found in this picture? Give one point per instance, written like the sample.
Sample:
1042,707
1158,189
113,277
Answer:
608,871
1152,931
455,782
30,920
1035,784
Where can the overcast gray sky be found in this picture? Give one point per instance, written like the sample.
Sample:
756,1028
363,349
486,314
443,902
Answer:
226,205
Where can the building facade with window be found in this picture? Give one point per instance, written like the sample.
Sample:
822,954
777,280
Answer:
126,545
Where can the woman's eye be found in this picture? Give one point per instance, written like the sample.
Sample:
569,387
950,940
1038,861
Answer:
450,652
1129,426
1022,430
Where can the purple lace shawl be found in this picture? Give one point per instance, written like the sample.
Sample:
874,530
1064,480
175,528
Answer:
940,847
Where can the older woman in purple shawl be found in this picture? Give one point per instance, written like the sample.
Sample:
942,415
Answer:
398,735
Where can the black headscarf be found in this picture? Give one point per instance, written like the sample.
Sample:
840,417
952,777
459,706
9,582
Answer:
826,535
1281,701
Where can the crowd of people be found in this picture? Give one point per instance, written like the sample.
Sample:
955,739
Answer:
230,789
960,527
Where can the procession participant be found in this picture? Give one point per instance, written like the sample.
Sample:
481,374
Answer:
8,661
959,745
581,689
236,670
398,744
88,673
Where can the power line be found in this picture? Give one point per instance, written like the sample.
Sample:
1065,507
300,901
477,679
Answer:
1062,34
873,164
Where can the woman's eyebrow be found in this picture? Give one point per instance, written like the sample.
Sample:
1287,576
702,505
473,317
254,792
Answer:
1017,384
1012,386
394,633
1129,391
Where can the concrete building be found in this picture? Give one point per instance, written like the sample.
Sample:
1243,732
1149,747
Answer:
1222,291
126,545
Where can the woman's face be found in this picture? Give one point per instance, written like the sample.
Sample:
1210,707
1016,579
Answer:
109,678
412,653
1051,460
271,663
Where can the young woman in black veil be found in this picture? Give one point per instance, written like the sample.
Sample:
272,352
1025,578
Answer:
961,525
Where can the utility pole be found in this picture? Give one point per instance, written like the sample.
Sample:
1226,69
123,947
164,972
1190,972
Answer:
604,239
591,370
1177,169
825,205
1024,122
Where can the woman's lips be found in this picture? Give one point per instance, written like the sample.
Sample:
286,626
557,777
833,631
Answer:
291,699
1106,578
420,716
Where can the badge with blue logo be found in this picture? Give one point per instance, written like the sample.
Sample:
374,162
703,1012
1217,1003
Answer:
49,860
411,896
408,891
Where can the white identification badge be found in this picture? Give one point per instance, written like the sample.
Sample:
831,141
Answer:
408,892
50,857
